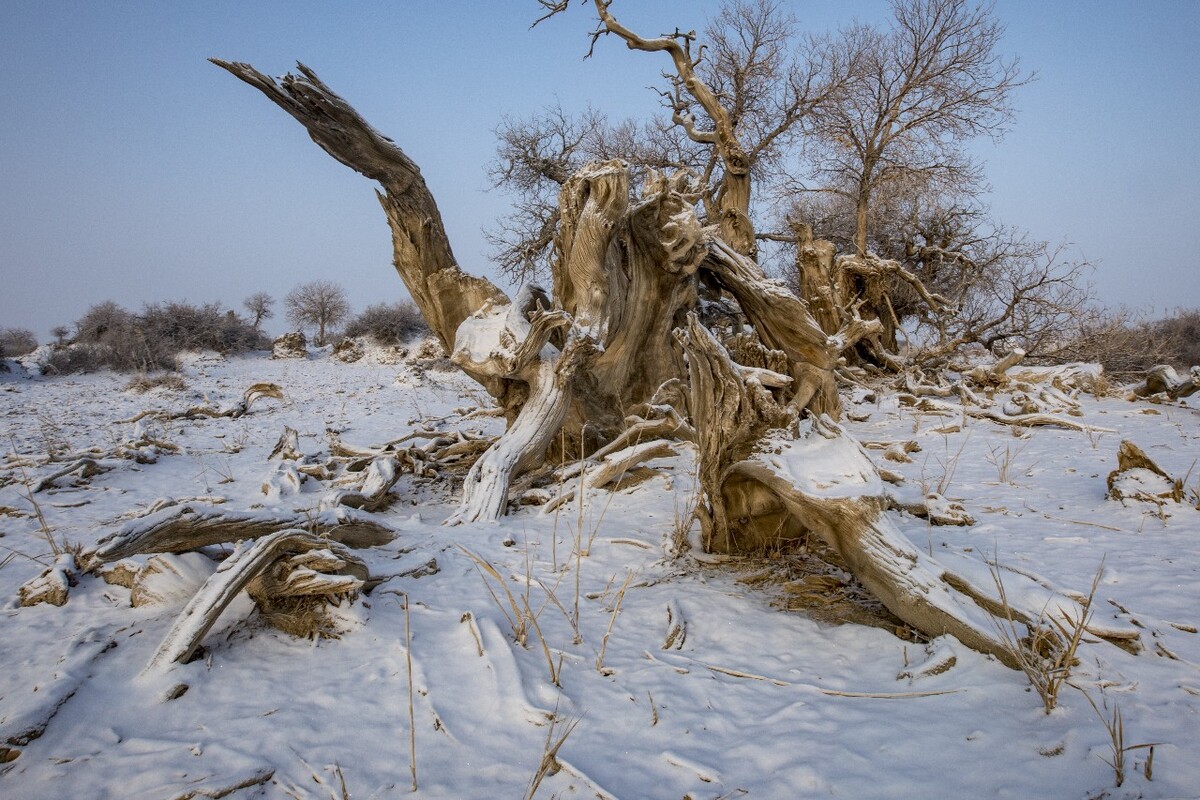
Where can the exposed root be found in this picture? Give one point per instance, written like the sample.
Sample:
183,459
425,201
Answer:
282,562
184,528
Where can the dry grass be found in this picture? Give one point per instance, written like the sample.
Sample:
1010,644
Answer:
686,512
616,609
143,382
1005,461
1047,652
412,717
520,614
514,614
948,465
1114,724
47,531
554,741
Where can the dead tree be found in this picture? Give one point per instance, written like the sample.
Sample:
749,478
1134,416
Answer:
625,334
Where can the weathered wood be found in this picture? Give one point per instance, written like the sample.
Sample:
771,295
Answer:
234,574
422,256
190,527
1163,379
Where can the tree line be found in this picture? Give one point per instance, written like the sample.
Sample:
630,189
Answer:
110,336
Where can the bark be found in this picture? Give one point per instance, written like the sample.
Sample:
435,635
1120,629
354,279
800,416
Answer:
818,278
760,488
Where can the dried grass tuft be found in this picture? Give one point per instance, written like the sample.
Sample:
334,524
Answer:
1047,652
549,765
1114,724
143,382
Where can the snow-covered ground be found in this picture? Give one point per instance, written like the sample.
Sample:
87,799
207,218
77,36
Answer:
750,700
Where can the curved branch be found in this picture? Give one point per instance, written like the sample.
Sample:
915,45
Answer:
444,293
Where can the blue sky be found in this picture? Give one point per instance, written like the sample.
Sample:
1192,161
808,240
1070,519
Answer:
133,170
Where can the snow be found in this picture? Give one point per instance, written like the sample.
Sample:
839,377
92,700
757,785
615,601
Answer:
752,701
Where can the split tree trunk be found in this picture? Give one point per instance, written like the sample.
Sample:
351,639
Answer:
612,341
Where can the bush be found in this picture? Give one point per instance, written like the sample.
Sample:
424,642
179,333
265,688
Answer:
388,323
182,326
1123,343
17,342
1183,330
110,336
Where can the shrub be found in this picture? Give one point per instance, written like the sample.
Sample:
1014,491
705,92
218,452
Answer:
1124,344
1183,330
17,342
388,323
182,326
102,322
109,336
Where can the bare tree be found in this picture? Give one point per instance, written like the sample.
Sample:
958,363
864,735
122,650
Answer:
60,333
17,342
319,304
947,271
259,304
739,99
917,92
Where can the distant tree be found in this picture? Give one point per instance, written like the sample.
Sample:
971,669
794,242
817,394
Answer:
917,92
318,304
103,322
259,304
17,342
60,334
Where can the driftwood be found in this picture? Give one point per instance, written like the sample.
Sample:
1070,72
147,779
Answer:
260,561
1164,381
52,585
190,527
253,393
1137,477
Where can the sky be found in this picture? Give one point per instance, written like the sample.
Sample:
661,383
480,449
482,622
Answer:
133,170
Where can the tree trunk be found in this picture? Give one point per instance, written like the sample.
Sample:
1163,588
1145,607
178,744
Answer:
423,258
736,227
625,327
862,203
818,278
766,478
